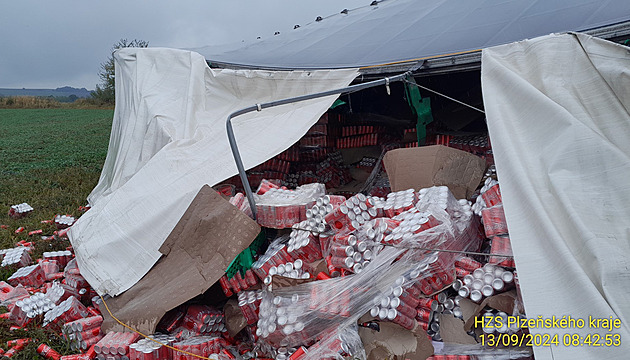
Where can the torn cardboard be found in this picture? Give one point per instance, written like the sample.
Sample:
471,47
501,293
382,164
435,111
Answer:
436,165
196,254
452,330
279,281
234,319
503,302
393,340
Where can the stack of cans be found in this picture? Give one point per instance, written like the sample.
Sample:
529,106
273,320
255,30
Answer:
238,282
437,274
357,141
62,257
484,282
327,306
275,255
470,143
64,221
494,221
51,269
83,333
351,214
240,201
399,202
281,318
199,345
29,308
465,265
115,344
17,257
20,210
443,304
397,304
146,349
32,276
347,252
68,310
280,208
303,244
5,289
502,249
249,303
292,269
202,320
412,222
61,292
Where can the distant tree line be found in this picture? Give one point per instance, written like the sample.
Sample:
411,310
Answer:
105,91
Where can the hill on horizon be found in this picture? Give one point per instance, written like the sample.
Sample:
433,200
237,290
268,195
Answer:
65,91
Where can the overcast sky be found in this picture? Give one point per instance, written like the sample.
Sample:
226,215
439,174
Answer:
49,44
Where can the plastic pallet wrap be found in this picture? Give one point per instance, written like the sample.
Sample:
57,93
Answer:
308,314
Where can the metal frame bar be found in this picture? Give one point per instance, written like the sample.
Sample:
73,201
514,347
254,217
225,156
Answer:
258,107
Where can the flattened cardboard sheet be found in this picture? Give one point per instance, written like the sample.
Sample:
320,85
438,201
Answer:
196,254
434,165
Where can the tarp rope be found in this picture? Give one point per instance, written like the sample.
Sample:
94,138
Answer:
147,336
444,96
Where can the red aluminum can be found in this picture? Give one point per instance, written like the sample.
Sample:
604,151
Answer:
492,196
301,351
467,264
250,278
404,321
241,281
48,352
406,310
425,302
423,315
18,342
424,325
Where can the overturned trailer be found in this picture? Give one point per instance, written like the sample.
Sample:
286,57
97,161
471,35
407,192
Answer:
561,93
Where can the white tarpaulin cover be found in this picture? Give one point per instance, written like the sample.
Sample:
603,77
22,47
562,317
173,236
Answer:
402,30
169,138
558,115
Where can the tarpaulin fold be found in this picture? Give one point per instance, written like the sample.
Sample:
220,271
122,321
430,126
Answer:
169,139
559,122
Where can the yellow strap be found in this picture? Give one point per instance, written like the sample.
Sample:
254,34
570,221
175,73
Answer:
147,337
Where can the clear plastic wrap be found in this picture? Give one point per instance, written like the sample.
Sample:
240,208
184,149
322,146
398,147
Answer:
17,257
389,286
280,208
483,282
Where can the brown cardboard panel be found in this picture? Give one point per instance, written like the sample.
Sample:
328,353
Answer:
197,252
452,330
468,307
234,319
434,165
393,340
279,281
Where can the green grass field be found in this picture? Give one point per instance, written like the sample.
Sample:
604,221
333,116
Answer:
51,159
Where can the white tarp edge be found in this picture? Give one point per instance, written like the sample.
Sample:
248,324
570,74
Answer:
558,116
168,139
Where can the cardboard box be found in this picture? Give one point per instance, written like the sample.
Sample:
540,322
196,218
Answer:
196,254
435,165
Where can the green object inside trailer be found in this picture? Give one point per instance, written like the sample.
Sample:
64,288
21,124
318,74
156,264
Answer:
420,107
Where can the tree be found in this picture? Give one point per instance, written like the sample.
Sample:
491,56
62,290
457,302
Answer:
105,92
